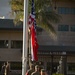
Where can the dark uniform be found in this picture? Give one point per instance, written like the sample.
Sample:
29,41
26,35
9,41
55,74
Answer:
36,72
31,70
3,70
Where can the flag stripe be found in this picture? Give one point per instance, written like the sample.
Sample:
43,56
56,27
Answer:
34,44
32,27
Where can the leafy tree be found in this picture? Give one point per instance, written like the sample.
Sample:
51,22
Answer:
46,17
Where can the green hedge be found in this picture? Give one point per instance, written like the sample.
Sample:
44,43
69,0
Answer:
58,74
16,65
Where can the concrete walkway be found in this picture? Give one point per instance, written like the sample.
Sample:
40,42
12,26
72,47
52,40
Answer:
13,73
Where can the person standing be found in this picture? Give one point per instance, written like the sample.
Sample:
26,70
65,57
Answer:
30,70
3,70
7,68
36,72
43,72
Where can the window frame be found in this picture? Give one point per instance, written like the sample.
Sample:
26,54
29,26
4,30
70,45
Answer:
63,27
20,42
4,43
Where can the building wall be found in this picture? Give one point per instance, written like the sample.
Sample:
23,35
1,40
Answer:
63,37
66,37
10,54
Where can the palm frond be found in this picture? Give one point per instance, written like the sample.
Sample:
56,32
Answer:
49,28
47,20
17,5
18,18
45,16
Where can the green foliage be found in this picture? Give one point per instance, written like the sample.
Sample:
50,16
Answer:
17,5
45,17
58,74
16,66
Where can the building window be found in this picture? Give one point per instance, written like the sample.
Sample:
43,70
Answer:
66,10
63,27
16,44
3,43
71,67
16,65
72,28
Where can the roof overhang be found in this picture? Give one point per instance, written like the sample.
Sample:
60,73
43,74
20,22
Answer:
56,48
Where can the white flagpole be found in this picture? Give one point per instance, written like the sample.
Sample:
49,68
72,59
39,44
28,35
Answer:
25,38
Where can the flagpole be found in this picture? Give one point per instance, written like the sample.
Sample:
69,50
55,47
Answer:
25,38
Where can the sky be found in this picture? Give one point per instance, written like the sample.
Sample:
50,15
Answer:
5,9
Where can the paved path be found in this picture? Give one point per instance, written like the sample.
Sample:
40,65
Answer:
12,73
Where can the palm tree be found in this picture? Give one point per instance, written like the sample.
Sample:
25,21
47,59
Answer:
45,15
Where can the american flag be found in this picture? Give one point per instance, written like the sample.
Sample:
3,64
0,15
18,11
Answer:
32,27
32,14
